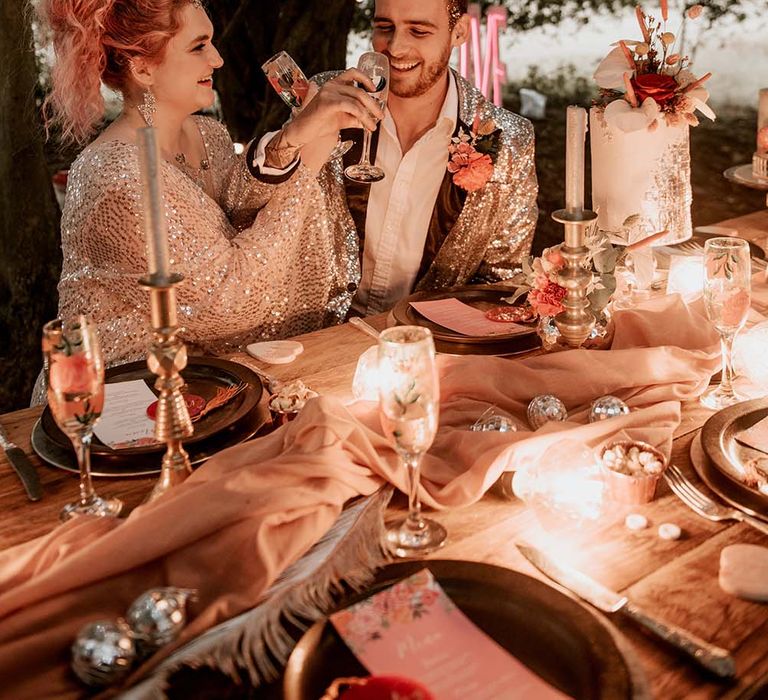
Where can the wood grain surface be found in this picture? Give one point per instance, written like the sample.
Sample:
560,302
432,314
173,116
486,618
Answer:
675,580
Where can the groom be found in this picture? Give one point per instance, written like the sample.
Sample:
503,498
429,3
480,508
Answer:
458,200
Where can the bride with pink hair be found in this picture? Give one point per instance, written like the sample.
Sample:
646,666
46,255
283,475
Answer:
252,271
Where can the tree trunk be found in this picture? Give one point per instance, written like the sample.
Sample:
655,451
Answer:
30,252
248,32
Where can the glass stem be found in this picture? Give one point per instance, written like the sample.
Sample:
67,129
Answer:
84,462
413,465
726,380
366,159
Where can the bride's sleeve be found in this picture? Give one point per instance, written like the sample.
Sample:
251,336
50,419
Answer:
240,193
268,279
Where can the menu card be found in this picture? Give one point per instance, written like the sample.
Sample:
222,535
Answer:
465,319
124,422
756,436
414,630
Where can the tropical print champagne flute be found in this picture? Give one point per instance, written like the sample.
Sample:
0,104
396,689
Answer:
74,372
409,398
290,83
376,66
727,288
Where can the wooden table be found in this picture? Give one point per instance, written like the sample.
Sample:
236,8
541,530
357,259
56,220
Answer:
675,580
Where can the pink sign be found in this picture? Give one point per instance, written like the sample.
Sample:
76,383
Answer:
488,70
414,630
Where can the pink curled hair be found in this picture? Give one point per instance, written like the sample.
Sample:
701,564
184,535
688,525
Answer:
94,42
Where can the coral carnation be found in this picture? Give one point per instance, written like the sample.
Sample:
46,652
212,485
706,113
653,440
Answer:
470,169
547,301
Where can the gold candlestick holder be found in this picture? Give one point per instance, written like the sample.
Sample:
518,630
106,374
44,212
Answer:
577,321
167,357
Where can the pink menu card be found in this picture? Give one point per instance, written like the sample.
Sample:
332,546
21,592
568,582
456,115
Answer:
755,436
414,630
465,319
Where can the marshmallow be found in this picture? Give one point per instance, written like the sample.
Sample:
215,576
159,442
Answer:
669,531
635,521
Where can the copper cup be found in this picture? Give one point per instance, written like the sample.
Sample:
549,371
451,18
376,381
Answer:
632,489
280,417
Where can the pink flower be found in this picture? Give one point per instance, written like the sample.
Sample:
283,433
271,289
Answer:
470,169
72,374
541,281
554,257
547,301
735,308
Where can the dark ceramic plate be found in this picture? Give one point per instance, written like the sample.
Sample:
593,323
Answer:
448,341
232,423
554,635
725,456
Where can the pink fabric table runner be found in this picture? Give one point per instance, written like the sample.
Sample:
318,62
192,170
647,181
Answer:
254,509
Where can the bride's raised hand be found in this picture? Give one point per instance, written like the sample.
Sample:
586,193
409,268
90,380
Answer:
338,104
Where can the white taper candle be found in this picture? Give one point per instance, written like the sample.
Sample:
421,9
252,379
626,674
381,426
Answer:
576,133
155,225
762,119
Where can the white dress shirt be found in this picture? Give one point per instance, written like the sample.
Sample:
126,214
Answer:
400,208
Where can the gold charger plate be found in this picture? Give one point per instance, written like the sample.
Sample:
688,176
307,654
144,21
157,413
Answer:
447,341
725,456
557,637
234,422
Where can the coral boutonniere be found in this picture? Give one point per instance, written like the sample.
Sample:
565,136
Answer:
471,156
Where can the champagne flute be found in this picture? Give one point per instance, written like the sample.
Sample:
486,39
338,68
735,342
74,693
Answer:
74,373
289,81
376,66
408,408
727,272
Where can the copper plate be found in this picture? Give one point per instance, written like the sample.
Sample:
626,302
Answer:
554,635
447,341
744,175
232,423
725,455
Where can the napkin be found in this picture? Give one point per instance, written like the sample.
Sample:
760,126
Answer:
254,509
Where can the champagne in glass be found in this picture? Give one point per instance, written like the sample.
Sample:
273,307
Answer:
409,398
74,372
289,81
727,287
376,67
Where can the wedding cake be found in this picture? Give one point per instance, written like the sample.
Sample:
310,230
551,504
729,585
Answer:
641,181
760,159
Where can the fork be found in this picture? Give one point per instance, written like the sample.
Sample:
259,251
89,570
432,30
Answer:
703,504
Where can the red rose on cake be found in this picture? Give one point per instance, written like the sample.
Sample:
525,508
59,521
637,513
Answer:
662,88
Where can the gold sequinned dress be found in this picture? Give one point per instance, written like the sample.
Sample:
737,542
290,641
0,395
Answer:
252,269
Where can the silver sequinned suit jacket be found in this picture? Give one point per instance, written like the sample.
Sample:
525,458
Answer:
477,236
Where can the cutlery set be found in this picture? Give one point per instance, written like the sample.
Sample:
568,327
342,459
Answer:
711,657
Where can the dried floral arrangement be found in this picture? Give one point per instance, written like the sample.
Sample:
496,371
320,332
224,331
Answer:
645,82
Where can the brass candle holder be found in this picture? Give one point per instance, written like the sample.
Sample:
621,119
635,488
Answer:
577,321
167,357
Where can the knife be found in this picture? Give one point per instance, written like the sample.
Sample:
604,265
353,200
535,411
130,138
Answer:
713,658
22,466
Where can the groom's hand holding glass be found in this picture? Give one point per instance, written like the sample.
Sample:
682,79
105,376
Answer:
338,104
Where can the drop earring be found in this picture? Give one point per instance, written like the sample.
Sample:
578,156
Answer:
148,107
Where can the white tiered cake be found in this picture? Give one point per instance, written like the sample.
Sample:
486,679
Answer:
641,181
